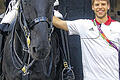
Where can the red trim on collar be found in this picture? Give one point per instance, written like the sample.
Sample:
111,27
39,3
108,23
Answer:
108,22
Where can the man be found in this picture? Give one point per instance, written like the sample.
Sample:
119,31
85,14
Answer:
100,39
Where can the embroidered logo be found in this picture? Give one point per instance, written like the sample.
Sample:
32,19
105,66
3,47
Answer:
91,29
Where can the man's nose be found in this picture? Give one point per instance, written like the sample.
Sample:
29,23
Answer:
100,6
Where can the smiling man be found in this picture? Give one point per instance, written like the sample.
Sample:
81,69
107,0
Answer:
100,42
100,8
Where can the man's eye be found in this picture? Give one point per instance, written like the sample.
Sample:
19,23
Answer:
96,4
103,4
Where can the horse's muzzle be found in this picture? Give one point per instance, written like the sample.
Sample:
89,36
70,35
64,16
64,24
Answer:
40,52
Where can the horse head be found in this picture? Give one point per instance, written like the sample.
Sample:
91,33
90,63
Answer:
38,16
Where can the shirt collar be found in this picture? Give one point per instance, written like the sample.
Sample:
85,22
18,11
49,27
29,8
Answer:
108,22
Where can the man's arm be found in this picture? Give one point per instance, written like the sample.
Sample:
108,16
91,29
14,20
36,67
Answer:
58,23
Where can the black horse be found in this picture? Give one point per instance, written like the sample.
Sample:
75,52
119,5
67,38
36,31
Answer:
31,50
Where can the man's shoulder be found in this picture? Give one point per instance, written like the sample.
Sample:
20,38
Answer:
114,22
83,21
86,23
115,25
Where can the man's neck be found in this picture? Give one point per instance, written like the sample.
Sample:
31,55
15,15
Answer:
102,20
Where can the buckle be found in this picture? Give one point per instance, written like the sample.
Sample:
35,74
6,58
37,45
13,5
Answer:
68,74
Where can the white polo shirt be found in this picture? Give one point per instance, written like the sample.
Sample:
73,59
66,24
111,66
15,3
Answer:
100,61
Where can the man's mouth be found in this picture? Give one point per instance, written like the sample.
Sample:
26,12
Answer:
100,11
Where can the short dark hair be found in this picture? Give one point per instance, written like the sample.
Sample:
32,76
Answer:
108,1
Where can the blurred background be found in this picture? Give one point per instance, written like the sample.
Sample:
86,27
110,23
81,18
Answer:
2,6
115,9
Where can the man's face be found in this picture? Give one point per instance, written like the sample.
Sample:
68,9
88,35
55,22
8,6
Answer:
100,8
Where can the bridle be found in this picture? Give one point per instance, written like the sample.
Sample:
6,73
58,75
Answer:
24,25
22,66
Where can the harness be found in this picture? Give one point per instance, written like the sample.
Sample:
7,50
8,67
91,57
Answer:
67,73
24,66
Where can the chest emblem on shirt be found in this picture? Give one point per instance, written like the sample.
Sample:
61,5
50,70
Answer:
91,29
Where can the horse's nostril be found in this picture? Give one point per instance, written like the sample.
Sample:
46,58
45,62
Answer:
40,50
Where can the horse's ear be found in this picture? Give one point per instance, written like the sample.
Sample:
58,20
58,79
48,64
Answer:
50,14
50,10
54,1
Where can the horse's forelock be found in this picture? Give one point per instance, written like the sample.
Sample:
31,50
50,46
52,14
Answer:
35,8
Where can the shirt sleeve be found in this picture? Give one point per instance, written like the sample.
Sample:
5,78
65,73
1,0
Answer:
77,27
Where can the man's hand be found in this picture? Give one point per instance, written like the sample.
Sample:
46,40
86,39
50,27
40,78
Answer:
58,14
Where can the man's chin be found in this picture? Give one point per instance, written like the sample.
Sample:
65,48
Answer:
100,16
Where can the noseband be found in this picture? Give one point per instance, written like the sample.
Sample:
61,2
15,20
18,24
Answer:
37,20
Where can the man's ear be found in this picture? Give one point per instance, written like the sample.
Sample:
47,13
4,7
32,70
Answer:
92,7
108,6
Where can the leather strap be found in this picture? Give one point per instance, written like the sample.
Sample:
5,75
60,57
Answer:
104,37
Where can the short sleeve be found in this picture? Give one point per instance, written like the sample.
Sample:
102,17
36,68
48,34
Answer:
77,27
